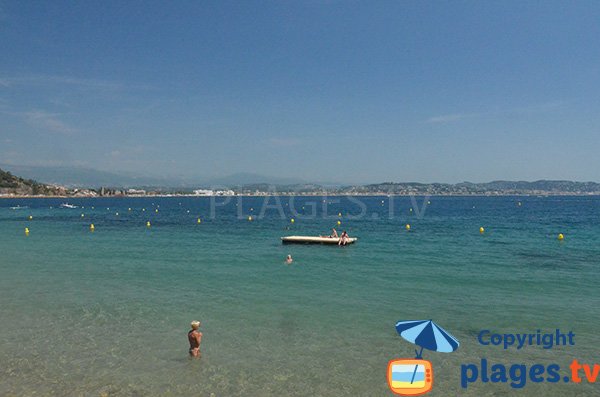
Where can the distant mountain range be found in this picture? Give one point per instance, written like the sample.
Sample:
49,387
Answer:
82,177
249,183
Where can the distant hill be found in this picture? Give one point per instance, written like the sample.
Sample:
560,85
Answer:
10,184
491,188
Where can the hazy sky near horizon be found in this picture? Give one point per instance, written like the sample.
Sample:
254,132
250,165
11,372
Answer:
340,91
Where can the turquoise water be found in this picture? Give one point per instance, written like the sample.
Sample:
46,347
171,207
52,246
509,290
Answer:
106,313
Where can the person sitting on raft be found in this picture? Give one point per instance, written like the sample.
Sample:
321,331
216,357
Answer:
333,233
343,238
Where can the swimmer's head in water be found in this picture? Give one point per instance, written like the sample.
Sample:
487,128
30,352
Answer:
195,324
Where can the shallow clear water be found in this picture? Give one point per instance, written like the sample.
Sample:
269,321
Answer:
106,313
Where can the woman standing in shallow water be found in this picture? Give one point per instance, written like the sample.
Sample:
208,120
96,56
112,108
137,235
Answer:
195,337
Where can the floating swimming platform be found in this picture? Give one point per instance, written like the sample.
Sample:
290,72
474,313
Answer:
315,240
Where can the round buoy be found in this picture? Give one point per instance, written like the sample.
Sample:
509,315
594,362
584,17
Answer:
82,215
481,230
561,237
340,214
428,202
199,221
249,218
30,217
27,231
339,222
156,210
410,210
519,204
92,228
148,224
143,210
292,220
128,209
116,214
407,227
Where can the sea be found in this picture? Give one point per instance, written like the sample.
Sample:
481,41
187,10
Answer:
106,312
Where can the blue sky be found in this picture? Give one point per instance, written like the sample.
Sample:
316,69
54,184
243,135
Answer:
318,90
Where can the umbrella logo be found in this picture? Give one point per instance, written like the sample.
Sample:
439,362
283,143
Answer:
413,377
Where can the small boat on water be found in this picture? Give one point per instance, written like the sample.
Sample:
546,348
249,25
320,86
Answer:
67,205
315,240
18,207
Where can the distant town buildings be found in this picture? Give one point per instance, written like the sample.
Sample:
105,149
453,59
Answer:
208,192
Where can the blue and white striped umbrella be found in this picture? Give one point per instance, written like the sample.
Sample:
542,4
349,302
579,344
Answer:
428,335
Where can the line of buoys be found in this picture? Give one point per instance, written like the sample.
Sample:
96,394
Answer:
92,227
27,231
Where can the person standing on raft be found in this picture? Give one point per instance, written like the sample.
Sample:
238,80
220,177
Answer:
195,337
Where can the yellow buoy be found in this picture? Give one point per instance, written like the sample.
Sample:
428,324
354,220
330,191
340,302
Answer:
143,210
82,215
199,221
481,230
116,213
339,222
428,202
30,217
148,224
407,227
128,209
92,228
410,210
561,237
250,218
340,214
156,210
27,231
292,220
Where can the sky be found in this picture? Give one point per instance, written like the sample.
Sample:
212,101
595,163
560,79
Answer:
341,91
